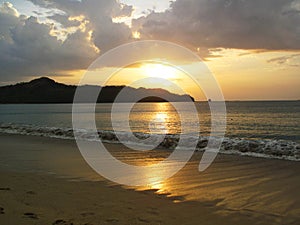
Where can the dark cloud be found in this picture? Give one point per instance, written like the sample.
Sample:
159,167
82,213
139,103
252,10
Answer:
241,24
28,47
64,20
99,13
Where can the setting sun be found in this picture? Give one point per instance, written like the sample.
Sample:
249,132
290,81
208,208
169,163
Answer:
160,70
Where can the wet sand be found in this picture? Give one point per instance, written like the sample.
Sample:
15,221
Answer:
46,181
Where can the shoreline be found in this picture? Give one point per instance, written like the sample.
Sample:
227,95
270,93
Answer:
245,147
236,189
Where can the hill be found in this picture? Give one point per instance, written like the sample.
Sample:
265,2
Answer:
46,90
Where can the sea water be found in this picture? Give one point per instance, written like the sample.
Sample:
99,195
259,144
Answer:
260,129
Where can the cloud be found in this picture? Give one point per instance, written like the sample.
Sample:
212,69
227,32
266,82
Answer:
7,8
290,60
64,20
30,47
240,24
99,13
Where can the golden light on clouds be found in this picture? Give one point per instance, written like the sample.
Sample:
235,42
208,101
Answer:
241,74
257,75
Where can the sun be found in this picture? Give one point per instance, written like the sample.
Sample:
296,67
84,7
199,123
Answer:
160,70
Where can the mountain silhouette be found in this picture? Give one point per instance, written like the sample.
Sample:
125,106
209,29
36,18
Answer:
46,90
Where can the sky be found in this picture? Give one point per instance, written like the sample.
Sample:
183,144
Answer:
251,46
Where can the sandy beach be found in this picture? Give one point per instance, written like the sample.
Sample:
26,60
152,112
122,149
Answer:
46,181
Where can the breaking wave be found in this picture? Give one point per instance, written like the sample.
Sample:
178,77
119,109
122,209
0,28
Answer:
265,148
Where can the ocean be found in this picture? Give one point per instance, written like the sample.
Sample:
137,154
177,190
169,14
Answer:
269,129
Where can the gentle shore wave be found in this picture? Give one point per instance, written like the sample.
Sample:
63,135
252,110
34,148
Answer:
262,148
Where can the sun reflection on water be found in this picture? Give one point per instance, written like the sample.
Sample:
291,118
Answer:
158,123
158,118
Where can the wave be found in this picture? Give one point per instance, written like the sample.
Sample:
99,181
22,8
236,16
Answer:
265,148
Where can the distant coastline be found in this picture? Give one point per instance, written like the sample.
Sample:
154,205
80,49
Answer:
46,91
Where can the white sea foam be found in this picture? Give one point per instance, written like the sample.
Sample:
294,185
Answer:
265,148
